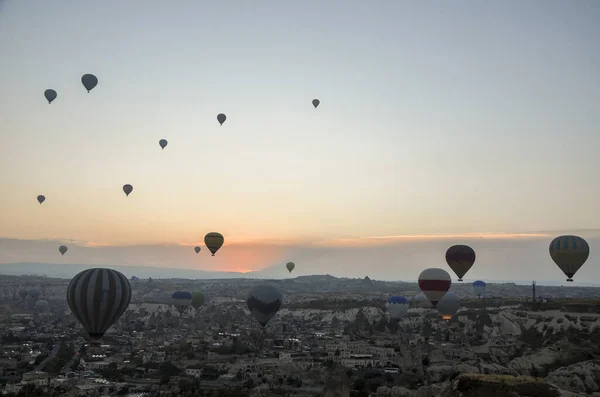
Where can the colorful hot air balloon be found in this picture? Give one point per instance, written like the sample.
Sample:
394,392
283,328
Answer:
89,81
460,258
221,118
479,287
264,301
197,249
397,306
290,266
448,305
163,143
135,278
50,95
213,241
181,300
127,189
316,103
41,198
62,249
97,298
434,283
569,253
197,299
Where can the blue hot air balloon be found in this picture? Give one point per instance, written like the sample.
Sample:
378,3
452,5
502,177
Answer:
181,300
479,287
397,306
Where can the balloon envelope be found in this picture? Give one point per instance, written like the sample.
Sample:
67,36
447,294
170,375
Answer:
97,298
479,287
434,283
197,249
221,118
421,301
50,95
264,301
197,299
63,249
290,266
163,143
460,258
181,300
448,305
316,103
213,241
41,198
127,189
42,305
569,253
89,81
397,306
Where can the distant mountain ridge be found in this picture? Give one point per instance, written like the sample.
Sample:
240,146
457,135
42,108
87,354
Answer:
67,271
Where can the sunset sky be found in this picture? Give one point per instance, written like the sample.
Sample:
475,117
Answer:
439,122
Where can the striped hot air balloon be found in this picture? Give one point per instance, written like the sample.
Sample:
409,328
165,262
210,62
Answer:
460,258
569,253
434,283
397,306
181,300
97,298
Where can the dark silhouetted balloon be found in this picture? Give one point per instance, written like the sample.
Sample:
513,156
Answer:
135,278
62,249
42,306
434,283
448,305
163,143
127,189
181,300
290,266
97,298
221,118
197,249
316,103
41,198
50,95
213,241
460,258
197,299
569,253
264,301
89,81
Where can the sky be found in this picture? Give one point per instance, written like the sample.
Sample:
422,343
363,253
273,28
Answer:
451,119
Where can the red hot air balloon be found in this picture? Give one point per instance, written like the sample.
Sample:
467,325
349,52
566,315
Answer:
434,283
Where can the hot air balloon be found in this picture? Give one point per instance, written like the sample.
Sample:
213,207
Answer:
197,299
135,278
34,293
97,298
290,266
163,143
448,305
421,301
397,306
264,301
89,81
181,300
221,118
41,198
316,103
197,249
62,249
127,189
569,253
23,293
42,306
50,95
460,258
434,283
479,287
213,241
